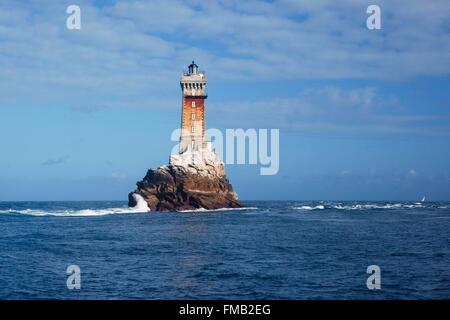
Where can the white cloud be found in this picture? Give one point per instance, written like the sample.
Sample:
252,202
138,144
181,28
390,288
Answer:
329,110
131,51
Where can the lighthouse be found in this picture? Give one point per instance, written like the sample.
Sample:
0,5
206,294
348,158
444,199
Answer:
195,177
194,149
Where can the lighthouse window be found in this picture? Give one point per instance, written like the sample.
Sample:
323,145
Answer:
192,130
193,104
193,116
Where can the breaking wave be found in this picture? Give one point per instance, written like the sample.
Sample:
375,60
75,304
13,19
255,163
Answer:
318,207
370,206
220,209
377,206
140,207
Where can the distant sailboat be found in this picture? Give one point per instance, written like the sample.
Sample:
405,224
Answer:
423,199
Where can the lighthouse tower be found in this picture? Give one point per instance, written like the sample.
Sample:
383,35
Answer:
193,88
193,147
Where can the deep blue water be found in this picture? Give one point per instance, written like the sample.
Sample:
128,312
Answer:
279,250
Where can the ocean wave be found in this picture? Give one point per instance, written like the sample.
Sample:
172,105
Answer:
71,213
215,210
140,207
367,206
370,206
318,207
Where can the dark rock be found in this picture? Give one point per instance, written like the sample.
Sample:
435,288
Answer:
176,188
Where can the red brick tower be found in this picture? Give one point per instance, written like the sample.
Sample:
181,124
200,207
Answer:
194,149
193,88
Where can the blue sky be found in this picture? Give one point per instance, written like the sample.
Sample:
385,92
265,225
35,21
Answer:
362,114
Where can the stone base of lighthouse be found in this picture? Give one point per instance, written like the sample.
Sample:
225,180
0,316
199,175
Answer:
191,180
203,159
178,188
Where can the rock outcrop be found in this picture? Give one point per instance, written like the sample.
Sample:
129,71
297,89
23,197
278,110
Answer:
189,187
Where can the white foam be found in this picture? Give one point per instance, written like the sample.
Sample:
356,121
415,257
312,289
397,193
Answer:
220,209
318,207
378,206
140,207
141,204
360,206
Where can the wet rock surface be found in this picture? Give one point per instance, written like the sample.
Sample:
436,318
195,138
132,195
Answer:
177,188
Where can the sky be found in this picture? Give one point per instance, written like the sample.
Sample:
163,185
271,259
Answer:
363,114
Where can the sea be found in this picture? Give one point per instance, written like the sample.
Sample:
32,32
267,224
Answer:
269,250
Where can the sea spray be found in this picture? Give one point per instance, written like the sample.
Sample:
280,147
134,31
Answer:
141,204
